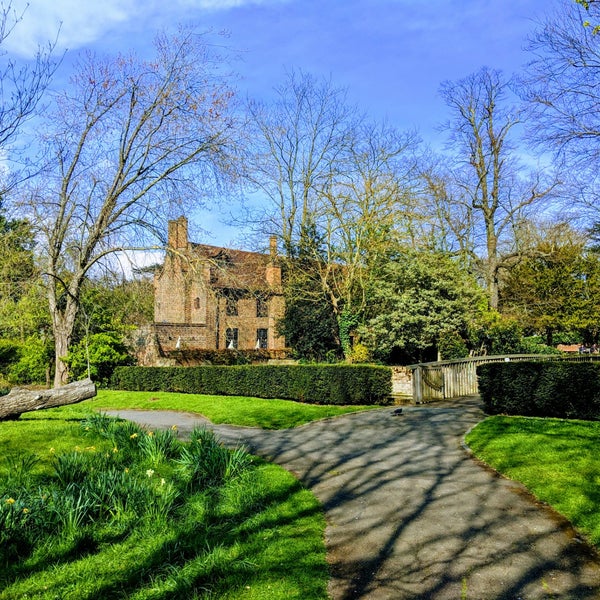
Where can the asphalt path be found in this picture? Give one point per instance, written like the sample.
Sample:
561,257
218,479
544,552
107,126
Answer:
410,514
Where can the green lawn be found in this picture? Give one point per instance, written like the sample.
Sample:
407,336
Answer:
88,515
235,410
556,459
127,514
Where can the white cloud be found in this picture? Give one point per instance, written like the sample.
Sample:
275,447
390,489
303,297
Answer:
79,23
83,23
127,262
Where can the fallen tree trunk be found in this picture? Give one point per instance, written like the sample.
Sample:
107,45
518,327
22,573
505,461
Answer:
21,400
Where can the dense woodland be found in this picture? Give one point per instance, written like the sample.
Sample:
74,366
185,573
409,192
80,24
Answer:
393,251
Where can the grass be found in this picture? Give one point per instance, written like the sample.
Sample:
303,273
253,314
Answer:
234,410
105,510
555,459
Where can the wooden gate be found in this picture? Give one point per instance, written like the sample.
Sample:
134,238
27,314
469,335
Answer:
456,378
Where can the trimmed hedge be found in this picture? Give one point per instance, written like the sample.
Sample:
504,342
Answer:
221,357
541,389
314,384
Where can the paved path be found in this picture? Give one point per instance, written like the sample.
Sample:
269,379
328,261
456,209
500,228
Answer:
411,515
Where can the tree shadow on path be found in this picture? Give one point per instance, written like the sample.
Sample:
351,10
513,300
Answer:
411,515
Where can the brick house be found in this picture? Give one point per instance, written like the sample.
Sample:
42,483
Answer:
213,298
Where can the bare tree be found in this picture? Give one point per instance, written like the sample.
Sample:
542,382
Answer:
562,86
368,211
338,189
487,172
449,225
125,144
21,87
297,145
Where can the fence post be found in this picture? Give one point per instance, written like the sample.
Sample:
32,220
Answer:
417,381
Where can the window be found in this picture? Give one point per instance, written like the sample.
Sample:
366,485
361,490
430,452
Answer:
196,302
231,338
262,336
262,307
231,306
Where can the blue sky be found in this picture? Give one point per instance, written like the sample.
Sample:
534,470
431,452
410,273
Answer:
391,55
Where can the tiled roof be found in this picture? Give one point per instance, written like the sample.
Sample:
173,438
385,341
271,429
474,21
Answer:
234,268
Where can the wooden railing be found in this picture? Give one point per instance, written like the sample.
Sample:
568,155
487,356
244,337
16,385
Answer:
455,378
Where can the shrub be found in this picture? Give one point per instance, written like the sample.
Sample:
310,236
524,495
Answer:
502,337
9,354
317,384
452,346
35,358
105,351
359,354
534,345
221,357
542,389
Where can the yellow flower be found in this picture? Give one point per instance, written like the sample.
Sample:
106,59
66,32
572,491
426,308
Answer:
126,470
115,450
133,436
91,448
52,450
150,433
174,427
10,501
150,472
25,510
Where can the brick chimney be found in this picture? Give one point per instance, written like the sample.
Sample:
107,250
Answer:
178,234
273,270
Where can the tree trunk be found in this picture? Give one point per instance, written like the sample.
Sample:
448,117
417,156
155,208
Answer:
61,346
63,323
21,400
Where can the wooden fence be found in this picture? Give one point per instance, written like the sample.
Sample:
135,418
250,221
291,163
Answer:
456,378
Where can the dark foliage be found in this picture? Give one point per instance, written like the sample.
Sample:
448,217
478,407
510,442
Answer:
310,328
542,389
222,357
